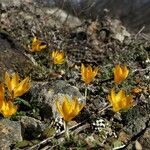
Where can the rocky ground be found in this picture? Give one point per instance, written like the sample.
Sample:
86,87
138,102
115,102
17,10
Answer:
102,44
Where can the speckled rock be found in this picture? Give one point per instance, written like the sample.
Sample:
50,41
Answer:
136,120
16,3
145,140
10,133
31,127
44,95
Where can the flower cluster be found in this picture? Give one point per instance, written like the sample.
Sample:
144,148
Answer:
15,89
70,108
120,101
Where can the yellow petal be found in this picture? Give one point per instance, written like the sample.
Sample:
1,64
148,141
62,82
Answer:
53,54
112,99
59,108
66,106
120,96
60,58
34,44
22,87
8,108
74,111
95,72
42,46
82,69
34,39
83,72
113,95
89,74
125,72
14,81
76,108
117,72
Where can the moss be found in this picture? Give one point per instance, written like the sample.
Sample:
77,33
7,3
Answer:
48,132
23,144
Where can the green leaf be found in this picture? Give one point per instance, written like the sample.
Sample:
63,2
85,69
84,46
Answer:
22,101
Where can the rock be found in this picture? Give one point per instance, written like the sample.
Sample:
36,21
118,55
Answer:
10,133
138,146
129,12
145,140
61,17
13,3
118,30
90,140
44,95
135,120
13,59
31,127
50,16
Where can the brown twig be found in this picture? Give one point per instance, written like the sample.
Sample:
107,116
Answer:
139,31
81,128
103,109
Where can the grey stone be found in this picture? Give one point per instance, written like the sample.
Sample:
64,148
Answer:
55,17
31,127
45,95
145,140
129,12
10,3
10,133
135,120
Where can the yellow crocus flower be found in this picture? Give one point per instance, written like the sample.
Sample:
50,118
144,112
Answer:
58,57
69,108
37,45
88,74
8,108
120,101
120,73
15,87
